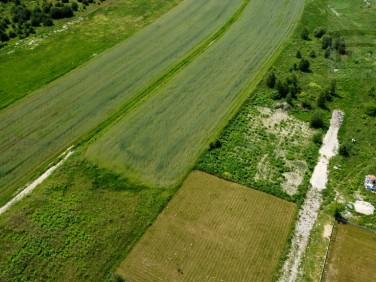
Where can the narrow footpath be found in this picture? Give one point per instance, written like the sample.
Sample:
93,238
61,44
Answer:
30,187
310,208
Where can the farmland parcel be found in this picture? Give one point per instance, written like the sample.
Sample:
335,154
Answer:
35,130
163,137
212,230
70,42
352,256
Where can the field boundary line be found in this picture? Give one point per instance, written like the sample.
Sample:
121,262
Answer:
327,252
354,224
164,78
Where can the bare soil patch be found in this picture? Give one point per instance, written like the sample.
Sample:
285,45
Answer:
364,207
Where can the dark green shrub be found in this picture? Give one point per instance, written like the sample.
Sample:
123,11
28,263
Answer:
215,145
47,21
304,65
74,6
371,111
3,36
345,150
282,88
298,54
271,79
306,104
372,91
319,31
312,54
321,100
119,278
317,138
305,33
326,41
317,120
289,98
327,53
339,44
12,34
332,87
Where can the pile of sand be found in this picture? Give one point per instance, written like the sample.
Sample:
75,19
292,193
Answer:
364,207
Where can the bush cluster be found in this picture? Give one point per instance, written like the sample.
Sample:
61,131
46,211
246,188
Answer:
23,19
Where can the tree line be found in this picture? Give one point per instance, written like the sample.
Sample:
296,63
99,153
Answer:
23,18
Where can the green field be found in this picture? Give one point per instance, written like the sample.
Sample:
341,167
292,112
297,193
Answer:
213,230
352,255
161,140
36,129
76,226
71,42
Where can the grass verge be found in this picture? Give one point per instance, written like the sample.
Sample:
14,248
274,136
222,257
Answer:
76,226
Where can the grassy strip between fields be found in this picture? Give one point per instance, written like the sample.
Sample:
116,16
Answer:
142,95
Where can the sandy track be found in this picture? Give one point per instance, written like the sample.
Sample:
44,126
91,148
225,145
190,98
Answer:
310,208
36,182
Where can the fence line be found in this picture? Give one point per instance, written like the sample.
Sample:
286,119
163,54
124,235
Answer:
327,251
337,219
351,223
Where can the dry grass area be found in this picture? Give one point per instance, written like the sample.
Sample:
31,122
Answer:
213,230
352,256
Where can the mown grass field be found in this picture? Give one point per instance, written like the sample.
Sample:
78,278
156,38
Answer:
36,129
161,140
71,42
352,255
76,226
213,230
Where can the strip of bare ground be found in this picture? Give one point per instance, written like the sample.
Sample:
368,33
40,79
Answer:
310,208
30,187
